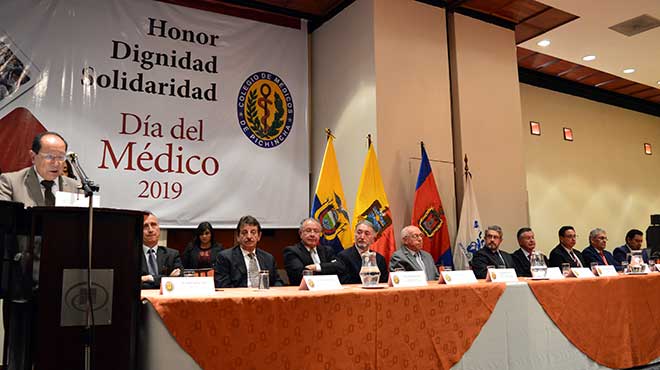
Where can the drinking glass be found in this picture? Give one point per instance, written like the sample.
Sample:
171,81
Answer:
264,279
565,269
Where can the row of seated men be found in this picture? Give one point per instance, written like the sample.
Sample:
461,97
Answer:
239,266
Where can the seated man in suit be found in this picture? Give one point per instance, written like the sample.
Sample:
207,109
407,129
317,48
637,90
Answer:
491,255
634,240
36,185
411,256
596,252
522,256
565,252
239,266
308,254
157,261
351,258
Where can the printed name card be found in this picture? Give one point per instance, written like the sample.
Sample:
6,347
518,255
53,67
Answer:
581,272
457,277
502,275
554,273
407,279
606,270
66,199
320,282
188,286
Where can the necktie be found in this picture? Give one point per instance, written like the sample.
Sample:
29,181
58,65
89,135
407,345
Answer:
49,197
151,262
602,256
315,256
418,256
577,261
253,271
501,259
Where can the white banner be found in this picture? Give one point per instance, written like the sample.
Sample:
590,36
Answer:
196,116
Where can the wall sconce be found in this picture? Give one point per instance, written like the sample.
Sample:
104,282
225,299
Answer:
535,128
647,149
568,134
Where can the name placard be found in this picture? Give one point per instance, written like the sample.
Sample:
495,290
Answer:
502,275
581,272
407,279
457,277
186,286
66,199
606,270
554,273
320,282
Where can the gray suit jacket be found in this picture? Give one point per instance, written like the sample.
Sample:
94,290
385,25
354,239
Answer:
403,258
23,186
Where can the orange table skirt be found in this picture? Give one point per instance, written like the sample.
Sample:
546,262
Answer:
611,320
283,328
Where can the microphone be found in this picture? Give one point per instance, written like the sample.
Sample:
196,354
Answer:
87,184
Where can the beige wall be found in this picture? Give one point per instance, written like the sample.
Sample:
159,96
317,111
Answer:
602,179
344,92
413,105
487,113
380,67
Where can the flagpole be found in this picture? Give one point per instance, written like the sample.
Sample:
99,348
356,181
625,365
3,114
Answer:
329,134
368,141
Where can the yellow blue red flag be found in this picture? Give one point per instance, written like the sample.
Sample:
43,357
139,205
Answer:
329,203
371,204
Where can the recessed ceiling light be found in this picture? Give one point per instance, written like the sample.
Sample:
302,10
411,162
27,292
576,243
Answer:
588,58
543,43
629,70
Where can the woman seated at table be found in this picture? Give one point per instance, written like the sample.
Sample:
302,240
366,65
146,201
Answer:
203,250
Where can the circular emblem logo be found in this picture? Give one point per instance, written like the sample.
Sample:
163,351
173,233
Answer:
265,109
311,283
76,297
169,286
396,280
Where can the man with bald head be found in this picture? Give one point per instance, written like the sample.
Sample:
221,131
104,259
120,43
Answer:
36,185
157,261
411,256
308,254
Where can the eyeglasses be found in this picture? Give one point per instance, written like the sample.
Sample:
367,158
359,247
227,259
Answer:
415,236
52,157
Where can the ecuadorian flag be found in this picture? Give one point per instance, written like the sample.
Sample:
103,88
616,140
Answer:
372,204
329,203
429,215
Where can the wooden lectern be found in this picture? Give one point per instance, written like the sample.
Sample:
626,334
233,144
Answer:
57,246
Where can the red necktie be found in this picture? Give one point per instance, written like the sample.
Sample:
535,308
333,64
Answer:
602,256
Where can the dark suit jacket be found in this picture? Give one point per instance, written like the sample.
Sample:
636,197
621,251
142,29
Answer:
485,257
190,256
620,254
23,186
231,272
590,254
404,258
351,263
296,257
521,263
167,260
559,255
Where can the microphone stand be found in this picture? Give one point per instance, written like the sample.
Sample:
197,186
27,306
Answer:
89,187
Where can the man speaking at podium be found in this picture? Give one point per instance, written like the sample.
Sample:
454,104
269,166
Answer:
37,185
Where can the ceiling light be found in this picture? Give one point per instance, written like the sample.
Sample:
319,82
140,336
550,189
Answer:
629,70
543,43
588,58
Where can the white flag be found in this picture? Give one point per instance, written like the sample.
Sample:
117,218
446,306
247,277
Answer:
470,236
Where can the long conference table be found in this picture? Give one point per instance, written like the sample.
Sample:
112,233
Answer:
593,323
